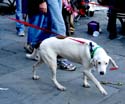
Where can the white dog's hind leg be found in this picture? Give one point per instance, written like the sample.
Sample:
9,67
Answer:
96,82
58,85
35,76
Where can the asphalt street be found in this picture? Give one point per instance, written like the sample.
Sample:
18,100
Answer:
17,86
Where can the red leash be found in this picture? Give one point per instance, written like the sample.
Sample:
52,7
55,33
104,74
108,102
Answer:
33,26
82,42
44,29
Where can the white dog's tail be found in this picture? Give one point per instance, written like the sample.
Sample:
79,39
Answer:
35,55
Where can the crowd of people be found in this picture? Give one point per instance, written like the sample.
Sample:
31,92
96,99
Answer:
58,16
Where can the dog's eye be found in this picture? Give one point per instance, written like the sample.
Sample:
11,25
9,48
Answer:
106,63
99,63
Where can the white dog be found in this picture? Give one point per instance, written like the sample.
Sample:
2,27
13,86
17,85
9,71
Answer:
82,51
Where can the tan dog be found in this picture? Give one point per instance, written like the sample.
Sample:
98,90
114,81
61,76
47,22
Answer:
82,51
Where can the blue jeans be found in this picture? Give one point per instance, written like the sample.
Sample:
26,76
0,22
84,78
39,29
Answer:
20,27
52,21
35,35
55,12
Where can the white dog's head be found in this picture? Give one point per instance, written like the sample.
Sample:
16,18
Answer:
101,63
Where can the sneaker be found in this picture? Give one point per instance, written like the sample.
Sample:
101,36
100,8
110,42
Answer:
21,34
64,64
28,48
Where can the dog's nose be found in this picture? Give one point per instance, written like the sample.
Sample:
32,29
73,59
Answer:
101,73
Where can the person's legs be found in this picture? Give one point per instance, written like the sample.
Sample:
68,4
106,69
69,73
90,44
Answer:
112,25
57,22
122,26
35,36
72,28
20,27
66,17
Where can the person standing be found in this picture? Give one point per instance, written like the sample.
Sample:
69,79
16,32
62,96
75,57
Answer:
38,16
55,12
19,27
69,12
46,14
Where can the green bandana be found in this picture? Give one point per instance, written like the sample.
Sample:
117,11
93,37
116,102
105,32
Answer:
93,52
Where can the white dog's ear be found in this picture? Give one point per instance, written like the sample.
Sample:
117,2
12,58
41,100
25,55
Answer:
113,62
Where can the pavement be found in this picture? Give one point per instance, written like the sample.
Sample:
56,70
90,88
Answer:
17,86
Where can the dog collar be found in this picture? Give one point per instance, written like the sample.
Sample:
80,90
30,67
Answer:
92,51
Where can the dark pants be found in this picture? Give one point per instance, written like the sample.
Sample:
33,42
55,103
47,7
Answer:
112,14
112,23
69,22
123,26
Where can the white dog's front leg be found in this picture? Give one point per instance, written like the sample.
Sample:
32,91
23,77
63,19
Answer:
96,82
85,82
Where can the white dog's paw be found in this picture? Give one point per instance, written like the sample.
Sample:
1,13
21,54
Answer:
62,88
86,85
35,77
103,92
